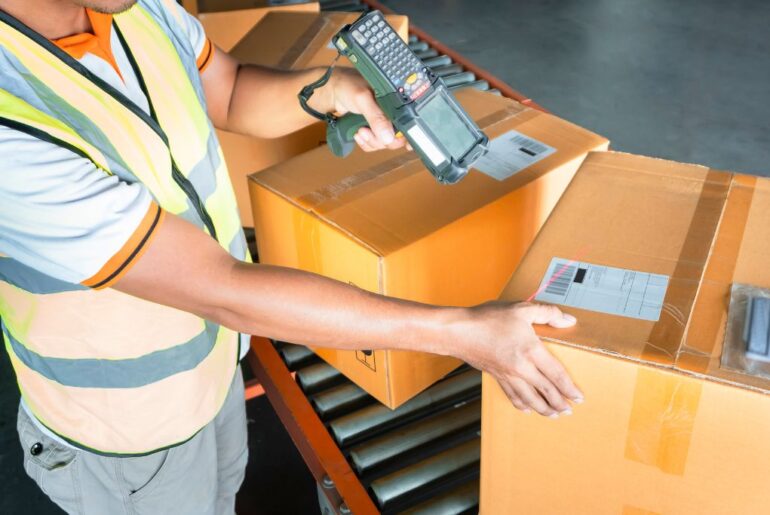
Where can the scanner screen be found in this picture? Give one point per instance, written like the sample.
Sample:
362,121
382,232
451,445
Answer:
446,124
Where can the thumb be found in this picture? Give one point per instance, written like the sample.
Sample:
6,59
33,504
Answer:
378,122
546,314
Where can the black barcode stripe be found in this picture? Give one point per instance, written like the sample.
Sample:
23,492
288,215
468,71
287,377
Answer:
559,285
529,144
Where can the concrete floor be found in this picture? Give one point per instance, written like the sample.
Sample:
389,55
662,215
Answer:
686,80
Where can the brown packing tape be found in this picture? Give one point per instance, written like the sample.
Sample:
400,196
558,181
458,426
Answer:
662,419
667,334
334,191
395,168
727,248
301,48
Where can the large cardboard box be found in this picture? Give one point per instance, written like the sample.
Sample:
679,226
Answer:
226,22
380,221
664,428
288,41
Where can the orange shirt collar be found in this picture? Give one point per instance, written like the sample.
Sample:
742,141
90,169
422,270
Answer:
97,43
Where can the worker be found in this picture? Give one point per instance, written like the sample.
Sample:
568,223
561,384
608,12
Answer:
124,274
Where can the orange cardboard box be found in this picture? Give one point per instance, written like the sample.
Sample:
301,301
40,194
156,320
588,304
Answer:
380,221
289,41
664,428
227,21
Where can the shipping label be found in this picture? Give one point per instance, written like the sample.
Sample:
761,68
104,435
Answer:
615,291
511,153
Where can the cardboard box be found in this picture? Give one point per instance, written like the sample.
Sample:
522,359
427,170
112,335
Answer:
289,41
380,221
664,429
226,22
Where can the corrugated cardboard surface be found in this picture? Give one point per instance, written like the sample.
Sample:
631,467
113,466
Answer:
290,41
382,222
227,22
664,429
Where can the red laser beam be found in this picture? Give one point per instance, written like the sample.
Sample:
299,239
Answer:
576,258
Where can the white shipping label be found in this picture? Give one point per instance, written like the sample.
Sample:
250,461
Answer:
615,291
511,153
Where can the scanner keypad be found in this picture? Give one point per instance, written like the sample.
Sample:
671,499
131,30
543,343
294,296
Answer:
394,58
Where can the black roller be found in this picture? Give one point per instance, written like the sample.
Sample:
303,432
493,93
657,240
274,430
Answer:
425,54
454,502
339,399
459,78
296,356
318,376
446,71
342,5
371,419
410,479
376,451
481,85
419,46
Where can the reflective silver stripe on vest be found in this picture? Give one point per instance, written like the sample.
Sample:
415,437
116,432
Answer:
203,174
28,279
118,373
26,86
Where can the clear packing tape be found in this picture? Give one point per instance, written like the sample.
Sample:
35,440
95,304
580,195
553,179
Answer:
665,407
747,324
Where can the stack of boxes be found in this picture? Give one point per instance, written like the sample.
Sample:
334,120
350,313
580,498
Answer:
643,252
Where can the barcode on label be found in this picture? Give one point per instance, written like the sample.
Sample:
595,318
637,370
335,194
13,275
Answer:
562,277
528,146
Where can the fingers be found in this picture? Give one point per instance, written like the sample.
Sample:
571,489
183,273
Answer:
381,127
544,386
545,314
369,142
555,372
514,397
366,141
531,398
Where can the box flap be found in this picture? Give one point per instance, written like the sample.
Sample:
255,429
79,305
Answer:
639,214
388,199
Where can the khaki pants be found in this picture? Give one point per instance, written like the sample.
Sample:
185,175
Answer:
200,476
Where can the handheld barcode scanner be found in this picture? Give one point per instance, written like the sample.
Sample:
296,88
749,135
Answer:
417,102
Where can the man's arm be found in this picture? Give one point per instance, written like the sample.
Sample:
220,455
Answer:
304,308
259,101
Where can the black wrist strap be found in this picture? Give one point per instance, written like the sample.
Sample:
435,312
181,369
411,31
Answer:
307,92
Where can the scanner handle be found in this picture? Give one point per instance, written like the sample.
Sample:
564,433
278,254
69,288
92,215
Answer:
339,135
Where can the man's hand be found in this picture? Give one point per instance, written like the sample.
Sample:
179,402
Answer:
350,93
508,348
262,102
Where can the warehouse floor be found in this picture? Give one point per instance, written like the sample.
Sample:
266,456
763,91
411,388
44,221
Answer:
685,80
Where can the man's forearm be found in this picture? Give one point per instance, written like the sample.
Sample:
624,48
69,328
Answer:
296,306
264,101
300,307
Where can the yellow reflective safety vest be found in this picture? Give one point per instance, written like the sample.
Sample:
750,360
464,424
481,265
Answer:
108,372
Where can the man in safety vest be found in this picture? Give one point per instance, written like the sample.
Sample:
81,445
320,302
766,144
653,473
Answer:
124,274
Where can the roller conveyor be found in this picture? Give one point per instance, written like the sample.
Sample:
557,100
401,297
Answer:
419,452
